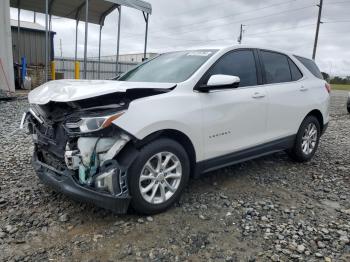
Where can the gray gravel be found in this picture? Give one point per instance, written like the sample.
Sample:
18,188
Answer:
269,209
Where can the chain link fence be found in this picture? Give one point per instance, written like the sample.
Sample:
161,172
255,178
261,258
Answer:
108,69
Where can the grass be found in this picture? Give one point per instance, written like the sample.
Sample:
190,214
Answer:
341,87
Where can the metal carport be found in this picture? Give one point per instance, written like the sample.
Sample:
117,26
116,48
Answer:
7,86
94,11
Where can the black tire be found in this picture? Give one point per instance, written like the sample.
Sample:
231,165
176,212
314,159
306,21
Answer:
148,151
297,152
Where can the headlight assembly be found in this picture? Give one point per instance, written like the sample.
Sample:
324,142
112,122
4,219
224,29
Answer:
92,124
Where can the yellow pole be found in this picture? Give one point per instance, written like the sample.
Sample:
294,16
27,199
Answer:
53,70
77,70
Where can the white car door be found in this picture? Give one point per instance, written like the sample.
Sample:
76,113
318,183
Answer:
234,119
288,100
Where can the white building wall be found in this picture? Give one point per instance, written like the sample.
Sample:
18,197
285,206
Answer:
7,85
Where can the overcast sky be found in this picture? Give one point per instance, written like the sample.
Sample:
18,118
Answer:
174,25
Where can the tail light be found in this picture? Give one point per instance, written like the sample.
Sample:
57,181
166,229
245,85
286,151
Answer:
328,87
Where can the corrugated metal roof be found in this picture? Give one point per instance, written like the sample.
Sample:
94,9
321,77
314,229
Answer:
74,9
28,25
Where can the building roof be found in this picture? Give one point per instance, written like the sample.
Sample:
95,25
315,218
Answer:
29,26
75,9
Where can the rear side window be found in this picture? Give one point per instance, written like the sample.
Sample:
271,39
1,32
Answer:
276,67
296,74
311,66
237,63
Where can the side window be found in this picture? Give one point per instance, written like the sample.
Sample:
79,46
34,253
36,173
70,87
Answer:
296,74
276,67
311,66
237,63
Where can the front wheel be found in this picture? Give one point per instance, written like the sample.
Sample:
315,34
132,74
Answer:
158,176
307,140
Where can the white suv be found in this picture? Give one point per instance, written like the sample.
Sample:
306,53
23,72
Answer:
139,138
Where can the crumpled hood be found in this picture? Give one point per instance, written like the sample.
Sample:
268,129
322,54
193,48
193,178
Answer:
75,90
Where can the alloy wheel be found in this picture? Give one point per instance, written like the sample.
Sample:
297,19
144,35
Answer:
309,139
160,177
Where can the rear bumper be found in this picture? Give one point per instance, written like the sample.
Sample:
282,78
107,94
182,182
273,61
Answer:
65,183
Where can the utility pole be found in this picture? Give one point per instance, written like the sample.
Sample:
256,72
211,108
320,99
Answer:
61,47
241,34
319,22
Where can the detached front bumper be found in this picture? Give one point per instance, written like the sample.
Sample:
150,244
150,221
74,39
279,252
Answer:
65,183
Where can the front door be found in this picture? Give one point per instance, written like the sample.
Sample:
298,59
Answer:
234,119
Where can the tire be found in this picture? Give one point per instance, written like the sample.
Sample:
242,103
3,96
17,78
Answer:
156,176
299,151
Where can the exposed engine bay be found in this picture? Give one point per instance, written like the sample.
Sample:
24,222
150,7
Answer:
79,138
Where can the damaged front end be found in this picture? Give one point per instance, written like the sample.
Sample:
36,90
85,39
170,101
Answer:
76,149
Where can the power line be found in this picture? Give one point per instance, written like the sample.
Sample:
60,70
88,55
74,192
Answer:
232,15
282,29
250,19
238,21
203,7
254,34
341,2
337,21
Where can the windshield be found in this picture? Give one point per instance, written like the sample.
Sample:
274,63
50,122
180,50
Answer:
173,67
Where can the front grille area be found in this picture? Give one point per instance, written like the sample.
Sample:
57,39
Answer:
49,159
51,138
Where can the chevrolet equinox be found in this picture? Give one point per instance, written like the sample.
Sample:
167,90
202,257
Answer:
136,140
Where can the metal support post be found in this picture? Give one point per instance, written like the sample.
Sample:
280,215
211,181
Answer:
86,36
76,40
146,35
18,33
50,29
99,53
46,39
118,40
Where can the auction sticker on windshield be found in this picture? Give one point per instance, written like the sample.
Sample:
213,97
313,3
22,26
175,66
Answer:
199,53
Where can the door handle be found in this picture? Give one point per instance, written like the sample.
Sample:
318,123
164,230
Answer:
258,95
303,89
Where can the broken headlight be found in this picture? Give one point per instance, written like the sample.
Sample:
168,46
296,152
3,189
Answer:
92,124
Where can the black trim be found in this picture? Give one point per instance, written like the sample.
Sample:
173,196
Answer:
244,155
291,73
258,65
65,183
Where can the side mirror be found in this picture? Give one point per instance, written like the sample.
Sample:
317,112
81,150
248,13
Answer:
221,82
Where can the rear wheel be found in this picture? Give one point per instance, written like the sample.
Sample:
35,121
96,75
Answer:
158,176
307,140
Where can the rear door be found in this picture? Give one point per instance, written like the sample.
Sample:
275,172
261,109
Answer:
287,95
234,119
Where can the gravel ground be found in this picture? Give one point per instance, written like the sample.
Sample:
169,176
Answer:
262,210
